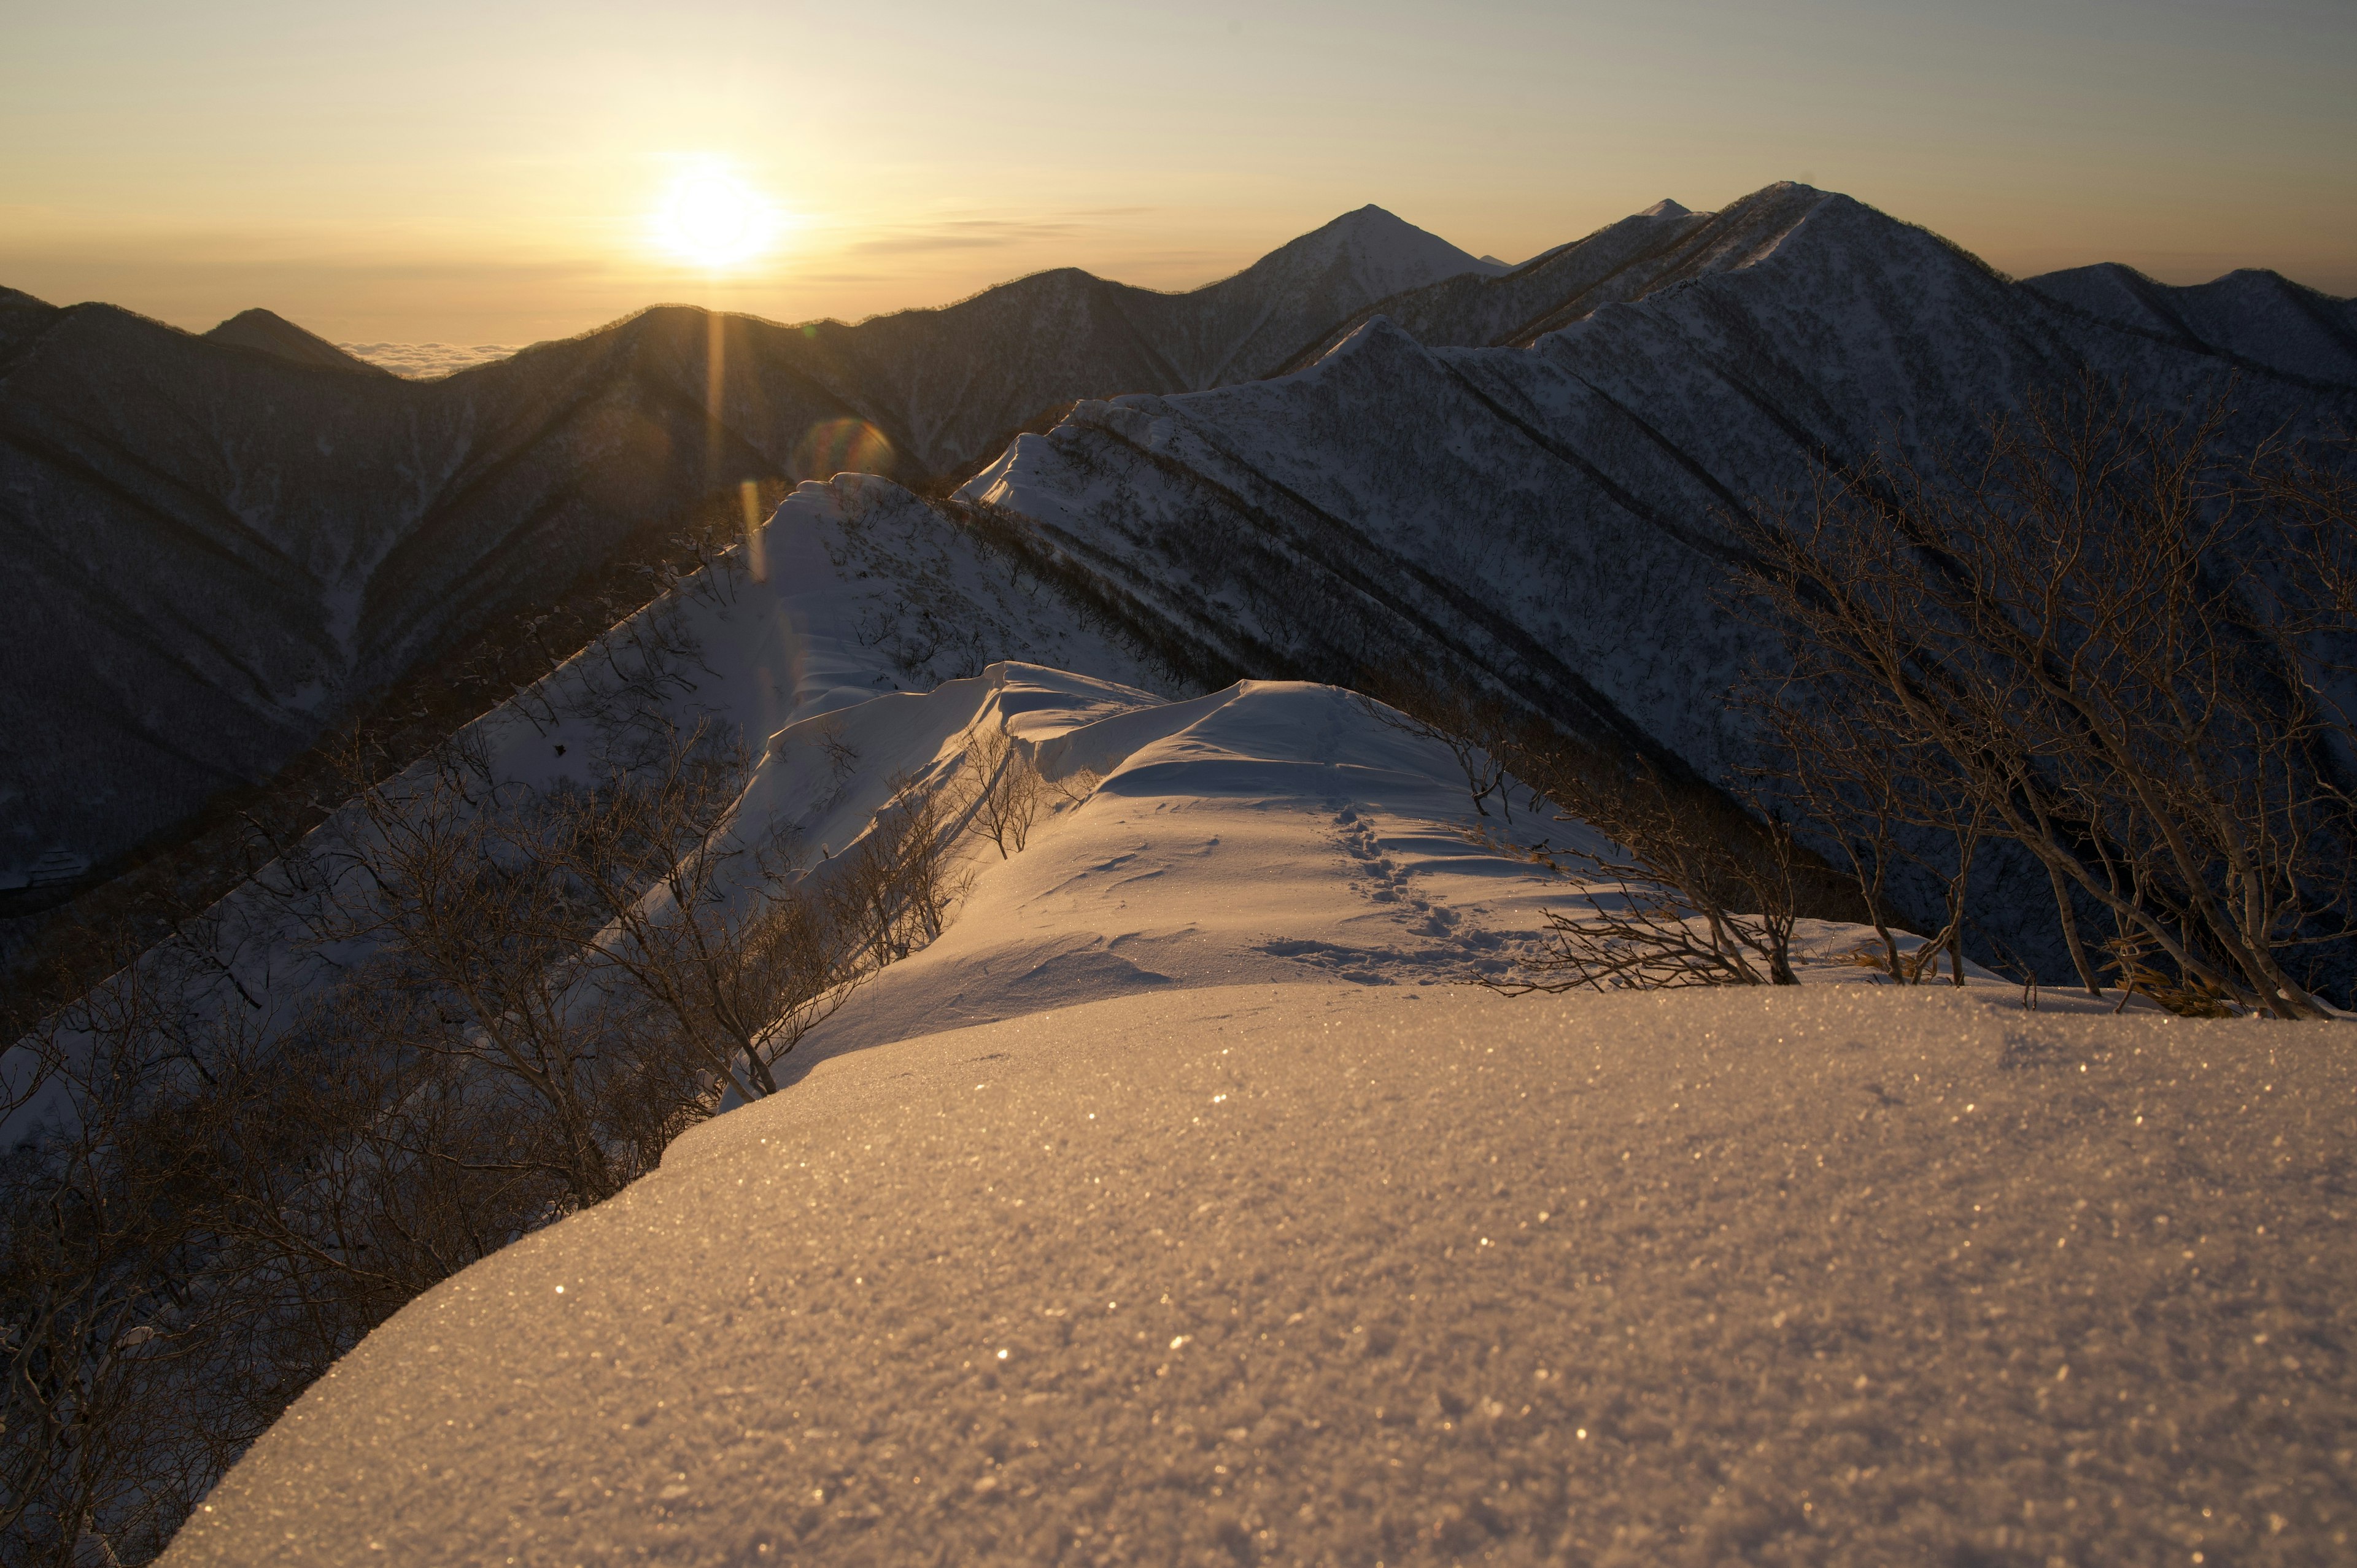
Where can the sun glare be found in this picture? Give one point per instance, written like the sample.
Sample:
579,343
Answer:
711,219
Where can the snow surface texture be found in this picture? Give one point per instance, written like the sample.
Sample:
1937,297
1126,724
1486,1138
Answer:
1339,1275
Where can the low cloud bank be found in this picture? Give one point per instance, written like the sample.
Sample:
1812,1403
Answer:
424,361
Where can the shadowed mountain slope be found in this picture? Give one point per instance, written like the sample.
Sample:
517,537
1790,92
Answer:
216,545
1546,514
273,334
217,554
2252,314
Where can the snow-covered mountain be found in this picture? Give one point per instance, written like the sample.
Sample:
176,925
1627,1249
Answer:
217,546
2251,315
1543,518
216,552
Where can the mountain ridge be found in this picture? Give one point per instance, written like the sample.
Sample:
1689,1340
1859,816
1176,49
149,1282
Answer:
225,541
239,551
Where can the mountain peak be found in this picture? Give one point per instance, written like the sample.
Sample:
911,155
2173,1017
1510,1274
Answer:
273,333
1665,208
1383,252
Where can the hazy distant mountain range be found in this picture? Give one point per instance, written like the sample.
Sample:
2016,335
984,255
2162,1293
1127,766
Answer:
218,545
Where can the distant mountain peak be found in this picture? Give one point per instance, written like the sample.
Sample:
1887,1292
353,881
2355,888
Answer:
1665,208
1385,253
273,333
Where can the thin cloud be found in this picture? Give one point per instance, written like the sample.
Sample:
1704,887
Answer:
961,234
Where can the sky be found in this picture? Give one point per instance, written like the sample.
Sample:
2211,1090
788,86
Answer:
492,170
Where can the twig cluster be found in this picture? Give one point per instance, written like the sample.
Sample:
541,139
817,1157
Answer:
2110,639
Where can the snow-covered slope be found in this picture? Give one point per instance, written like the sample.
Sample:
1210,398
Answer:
1543,519
1271,831
1350,1273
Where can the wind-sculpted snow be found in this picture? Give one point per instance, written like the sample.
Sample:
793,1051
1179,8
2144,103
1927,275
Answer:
1273,831
1347,1275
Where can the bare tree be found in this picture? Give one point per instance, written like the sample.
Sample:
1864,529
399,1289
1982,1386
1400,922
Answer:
893,887
2070,631
997,790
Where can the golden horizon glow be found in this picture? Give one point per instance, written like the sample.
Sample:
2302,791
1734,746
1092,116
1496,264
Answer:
849,161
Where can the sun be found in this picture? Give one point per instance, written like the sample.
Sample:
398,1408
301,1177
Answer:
710,218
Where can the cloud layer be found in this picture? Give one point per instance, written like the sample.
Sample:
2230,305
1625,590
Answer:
424,361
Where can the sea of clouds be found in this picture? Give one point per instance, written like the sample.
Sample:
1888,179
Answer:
422,361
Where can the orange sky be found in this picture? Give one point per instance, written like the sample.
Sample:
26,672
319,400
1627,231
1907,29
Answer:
487,172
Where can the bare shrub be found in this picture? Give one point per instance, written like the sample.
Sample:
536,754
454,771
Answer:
892,890
700,929
1702,891
2079,636
997,791
1699,894
1482,733
1078,785
1886,808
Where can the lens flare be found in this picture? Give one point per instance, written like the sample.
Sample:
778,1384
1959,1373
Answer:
710,218
840,447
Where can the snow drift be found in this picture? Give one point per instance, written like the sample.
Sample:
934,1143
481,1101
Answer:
1341,1274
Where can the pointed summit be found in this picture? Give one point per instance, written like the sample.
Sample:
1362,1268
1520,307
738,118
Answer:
1665,208
1384,252
273,333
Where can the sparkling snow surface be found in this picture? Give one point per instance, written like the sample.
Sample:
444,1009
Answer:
1345,1273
